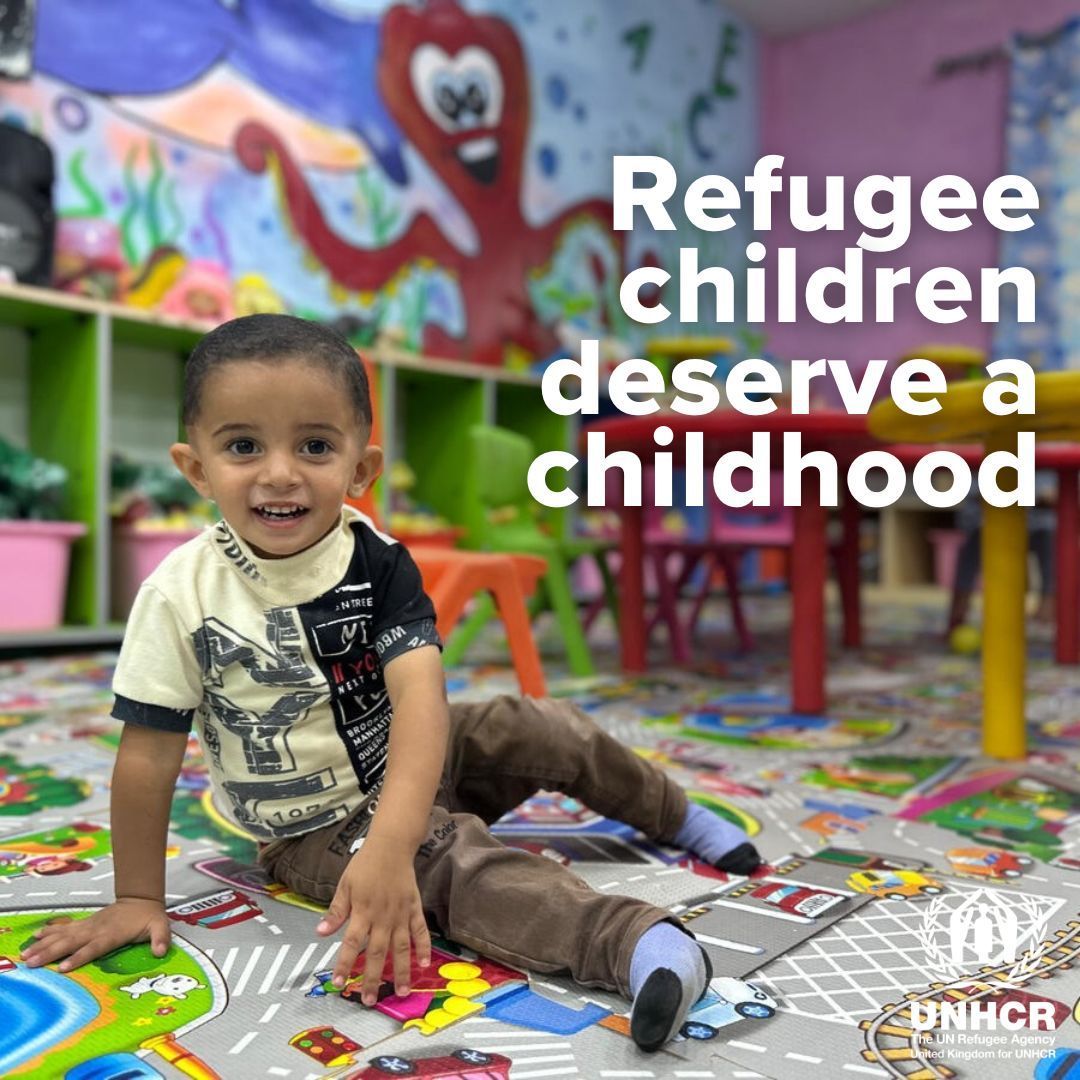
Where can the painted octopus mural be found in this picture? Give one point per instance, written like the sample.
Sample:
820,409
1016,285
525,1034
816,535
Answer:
457,86
240,155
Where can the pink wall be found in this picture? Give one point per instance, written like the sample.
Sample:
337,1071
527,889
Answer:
862,98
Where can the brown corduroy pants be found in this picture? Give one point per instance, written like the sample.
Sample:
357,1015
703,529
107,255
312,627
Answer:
523,909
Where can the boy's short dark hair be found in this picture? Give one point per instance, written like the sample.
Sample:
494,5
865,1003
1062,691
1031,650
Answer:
275,337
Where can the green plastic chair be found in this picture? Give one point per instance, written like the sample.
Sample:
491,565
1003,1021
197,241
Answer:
499,514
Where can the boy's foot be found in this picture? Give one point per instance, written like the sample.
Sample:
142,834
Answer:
742,860
669,972
717,842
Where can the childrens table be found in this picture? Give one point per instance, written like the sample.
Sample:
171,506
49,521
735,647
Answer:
835,431
962,418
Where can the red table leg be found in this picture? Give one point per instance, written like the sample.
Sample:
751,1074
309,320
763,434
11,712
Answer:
632,582
847,572
1068,577
808,558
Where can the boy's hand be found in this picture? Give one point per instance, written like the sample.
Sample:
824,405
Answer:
378,898
121,923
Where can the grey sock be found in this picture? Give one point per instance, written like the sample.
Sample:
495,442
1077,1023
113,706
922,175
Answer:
668,974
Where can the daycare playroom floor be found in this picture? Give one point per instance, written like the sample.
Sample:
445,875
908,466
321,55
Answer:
904,869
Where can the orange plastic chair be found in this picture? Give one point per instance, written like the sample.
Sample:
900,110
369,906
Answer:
453,578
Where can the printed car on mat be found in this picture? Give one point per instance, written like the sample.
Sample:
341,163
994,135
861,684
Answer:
459,1065
725,1002
895,884
798,899
215,910
987,862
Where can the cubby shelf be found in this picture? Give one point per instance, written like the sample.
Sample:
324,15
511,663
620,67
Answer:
75,350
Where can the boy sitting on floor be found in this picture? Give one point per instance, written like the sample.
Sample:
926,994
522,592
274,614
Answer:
299,641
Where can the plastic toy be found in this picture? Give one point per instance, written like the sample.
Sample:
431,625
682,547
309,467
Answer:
408,520
965,640
30,488
156,277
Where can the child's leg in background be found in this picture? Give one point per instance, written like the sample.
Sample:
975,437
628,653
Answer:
1042,521
1042,532
504,750
968,560
1041,542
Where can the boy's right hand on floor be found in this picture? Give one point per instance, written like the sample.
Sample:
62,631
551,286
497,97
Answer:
81,940
378,903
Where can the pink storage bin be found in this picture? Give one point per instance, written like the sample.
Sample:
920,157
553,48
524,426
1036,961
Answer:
34,561
136,553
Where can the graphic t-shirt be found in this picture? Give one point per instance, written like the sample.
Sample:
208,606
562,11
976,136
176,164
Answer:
278,664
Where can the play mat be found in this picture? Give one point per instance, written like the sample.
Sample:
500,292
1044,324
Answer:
907,876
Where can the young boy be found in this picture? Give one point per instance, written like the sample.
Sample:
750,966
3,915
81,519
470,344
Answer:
300,643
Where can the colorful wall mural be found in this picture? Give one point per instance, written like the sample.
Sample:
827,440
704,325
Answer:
440,172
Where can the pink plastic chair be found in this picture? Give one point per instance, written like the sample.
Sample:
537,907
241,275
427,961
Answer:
754,526
732,532
670,563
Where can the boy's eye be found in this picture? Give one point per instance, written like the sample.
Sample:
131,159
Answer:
242,446
317,447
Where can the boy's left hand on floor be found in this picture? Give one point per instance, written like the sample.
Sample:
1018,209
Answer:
378,902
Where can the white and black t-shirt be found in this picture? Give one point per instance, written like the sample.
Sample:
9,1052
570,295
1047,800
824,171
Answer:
278,664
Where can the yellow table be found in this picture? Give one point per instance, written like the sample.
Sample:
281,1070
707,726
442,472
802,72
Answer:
962,418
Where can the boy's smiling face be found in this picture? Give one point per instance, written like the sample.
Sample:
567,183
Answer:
278,446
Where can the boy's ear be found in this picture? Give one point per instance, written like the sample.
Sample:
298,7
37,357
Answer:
190,465
367,471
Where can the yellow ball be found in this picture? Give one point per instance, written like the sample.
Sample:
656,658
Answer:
965,640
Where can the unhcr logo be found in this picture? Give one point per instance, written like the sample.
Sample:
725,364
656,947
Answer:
982,1015
985,931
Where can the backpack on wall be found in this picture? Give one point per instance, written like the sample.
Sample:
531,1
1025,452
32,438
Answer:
27,222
